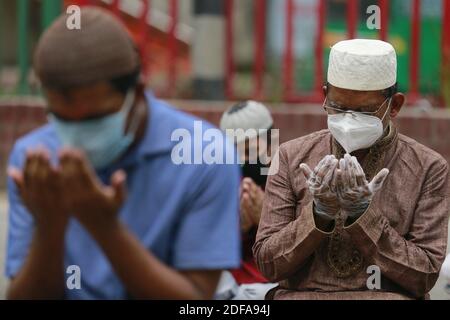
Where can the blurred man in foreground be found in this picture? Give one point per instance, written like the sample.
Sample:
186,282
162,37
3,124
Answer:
96,189
255,149
370,220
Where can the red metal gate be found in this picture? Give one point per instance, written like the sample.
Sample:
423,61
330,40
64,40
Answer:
288,63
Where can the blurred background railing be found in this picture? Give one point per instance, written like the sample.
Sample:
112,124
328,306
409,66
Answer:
271,50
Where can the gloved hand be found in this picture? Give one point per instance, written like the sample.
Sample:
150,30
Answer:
354,191
326,203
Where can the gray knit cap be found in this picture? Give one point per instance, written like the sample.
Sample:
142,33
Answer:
101,50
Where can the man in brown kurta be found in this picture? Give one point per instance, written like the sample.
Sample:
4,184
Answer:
402,232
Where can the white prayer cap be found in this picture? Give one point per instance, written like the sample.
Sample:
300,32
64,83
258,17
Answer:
247,115
362,64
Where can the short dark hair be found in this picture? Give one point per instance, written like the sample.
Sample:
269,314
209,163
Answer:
126,82
122,83
389,92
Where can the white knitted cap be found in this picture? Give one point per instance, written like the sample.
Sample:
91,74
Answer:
247,115
362,64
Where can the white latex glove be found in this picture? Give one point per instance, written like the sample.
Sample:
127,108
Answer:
354,191
326,202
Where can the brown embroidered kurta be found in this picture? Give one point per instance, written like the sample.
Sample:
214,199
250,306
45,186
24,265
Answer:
403,232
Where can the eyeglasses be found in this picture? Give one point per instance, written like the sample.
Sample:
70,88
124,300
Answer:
333,108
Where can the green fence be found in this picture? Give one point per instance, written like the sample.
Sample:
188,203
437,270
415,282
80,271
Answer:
23,9
27,11
399,35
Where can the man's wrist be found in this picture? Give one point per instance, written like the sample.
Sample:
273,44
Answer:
101,231
324,225
319,211
323,221
356,209
52,228
355,213
51,236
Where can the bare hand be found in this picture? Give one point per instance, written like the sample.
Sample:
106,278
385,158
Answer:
92,203
39,186
252,197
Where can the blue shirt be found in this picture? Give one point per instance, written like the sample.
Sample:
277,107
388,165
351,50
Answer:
186,215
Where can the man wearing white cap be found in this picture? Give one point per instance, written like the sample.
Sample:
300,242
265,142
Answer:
255,123
370,221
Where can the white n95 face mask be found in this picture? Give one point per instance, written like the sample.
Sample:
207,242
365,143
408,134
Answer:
356,131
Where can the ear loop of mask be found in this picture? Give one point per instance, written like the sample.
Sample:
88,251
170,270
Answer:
129,99
385,114
387,110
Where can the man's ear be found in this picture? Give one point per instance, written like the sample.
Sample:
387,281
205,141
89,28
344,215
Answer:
325,89
398,100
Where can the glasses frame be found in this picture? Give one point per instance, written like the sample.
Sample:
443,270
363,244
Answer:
340,110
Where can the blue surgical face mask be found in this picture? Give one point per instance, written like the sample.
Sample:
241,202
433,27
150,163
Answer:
103,140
